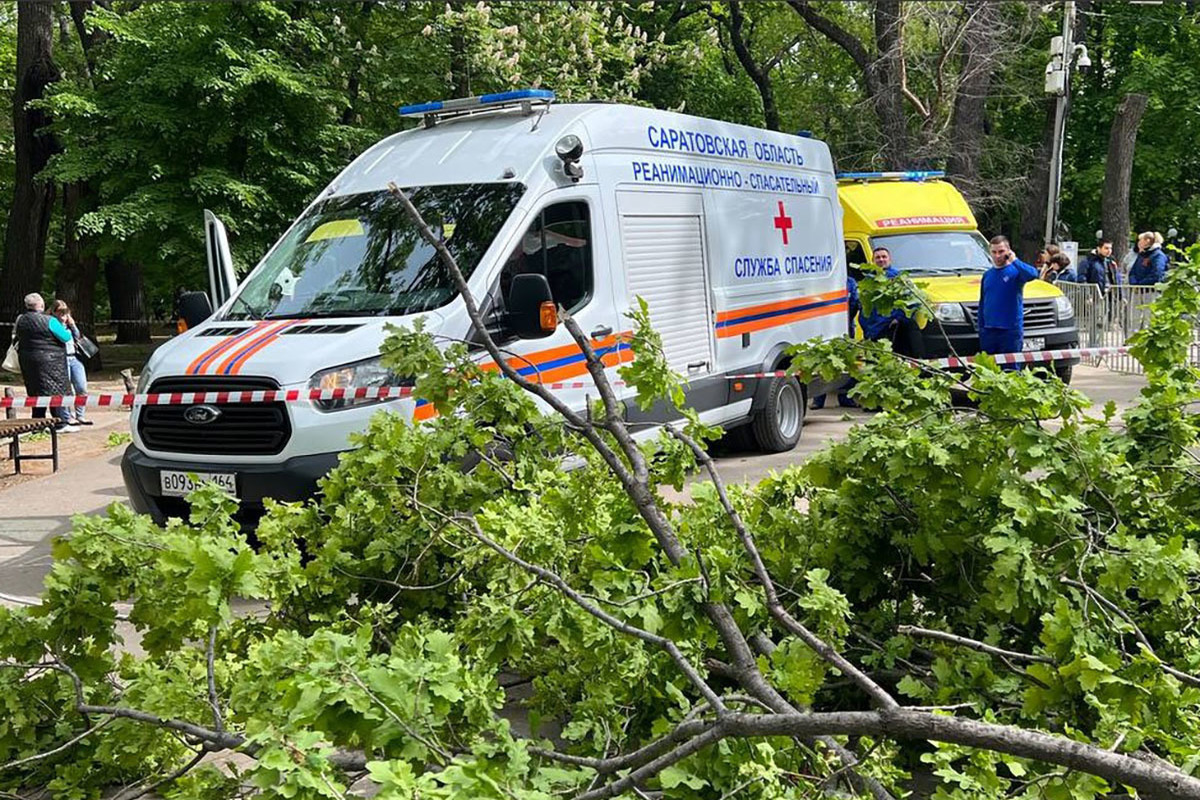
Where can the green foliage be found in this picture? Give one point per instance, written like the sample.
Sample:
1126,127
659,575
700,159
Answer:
187,110
372,619
117,439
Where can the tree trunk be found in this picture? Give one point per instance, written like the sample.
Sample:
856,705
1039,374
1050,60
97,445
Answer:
1118,171
360,21
33,199
888,96
460,60
981,47
128,299
78,266
1033,209
760,76
880,73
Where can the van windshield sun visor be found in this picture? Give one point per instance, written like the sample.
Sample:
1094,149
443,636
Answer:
360,255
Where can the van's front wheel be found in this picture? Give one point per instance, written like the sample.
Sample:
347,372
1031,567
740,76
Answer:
777,425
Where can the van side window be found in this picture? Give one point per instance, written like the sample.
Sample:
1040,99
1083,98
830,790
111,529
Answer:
559,246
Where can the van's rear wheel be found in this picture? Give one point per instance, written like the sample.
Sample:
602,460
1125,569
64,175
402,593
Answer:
777,426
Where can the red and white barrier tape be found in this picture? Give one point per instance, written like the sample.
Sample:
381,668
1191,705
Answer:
1031,357
99,322
197,398
390,392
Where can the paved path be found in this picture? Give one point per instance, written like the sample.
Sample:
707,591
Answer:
33,513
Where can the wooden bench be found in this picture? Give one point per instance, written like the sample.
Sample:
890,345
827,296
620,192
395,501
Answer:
13,429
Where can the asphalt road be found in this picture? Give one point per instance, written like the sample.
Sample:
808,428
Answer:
33,513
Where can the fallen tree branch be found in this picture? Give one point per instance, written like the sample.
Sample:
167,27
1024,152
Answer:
1185,677
214,699
873,690
67,745
172,777
685,666
973,644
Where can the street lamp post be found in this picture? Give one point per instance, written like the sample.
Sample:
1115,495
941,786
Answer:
1063,53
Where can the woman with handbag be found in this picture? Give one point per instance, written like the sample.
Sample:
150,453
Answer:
41,347
78,346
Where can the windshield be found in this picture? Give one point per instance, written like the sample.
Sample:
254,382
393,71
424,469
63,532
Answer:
937,251
361,255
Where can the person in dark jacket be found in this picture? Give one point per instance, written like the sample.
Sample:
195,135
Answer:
1150,264
1097,265
852,310
41,348
1001,316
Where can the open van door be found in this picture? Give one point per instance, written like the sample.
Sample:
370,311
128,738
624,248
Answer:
221,278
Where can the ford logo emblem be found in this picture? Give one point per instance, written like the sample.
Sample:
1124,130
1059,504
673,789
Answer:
201,415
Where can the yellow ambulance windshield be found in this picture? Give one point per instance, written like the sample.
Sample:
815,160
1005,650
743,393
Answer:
954,252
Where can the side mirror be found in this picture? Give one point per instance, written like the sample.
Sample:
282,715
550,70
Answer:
531,310
194,308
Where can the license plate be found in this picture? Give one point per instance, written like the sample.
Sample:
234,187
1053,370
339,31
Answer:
176,483
1036,343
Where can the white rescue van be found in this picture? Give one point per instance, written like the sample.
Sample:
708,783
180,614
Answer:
732,235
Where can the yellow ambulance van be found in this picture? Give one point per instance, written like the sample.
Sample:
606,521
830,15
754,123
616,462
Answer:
930,231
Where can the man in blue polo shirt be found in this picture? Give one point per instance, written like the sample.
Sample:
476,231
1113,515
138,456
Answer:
1001,317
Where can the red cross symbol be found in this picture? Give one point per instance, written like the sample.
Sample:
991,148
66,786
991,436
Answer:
783,222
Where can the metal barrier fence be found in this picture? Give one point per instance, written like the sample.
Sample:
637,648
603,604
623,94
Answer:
1108,318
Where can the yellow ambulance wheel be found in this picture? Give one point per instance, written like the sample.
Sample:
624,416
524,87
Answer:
777,426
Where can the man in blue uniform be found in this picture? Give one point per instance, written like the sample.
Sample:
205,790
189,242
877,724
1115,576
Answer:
878,326
1001,317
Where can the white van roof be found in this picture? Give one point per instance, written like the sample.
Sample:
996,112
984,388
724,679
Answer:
511,144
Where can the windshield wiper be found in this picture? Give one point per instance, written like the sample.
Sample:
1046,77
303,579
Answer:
254,313
297,315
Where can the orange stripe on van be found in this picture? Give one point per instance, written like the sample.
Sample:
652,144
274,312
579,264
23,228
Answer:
738,329
723,316
266,332
555,364
221,346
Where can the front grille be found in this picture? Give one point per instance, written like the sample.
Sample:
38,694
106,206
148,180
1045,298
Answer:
242,429
1039,314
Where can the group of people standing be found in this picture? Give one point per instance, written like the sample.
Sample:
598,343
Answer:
49,347
1147,264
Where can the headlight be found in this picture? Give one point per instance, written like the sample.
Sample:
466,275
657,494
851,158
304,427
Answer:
949,312
1063,307
369,372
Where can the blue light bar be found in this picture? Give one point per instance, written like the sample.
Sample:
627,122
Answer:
420,108
910,175
468,104
517,94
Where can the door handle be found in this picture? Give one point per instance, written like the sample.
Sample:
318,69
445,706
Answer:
695,365
601,332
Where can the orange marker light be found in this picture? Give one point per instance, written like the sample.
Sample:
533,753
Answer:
181,325
738,386
549,316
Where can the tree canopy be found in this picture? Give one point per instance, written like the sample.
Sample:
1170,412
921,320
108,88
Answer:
163,109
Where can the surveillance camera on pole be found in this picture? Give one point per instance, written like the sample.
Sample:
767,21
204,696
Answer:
1063,51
